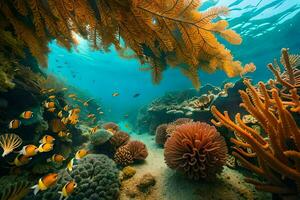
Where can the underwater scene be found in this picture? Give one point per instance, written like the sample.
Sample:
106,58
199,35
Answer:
149,100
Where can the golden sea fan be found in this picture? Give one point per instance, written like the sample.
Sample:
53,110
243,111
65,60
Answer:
196,149
9,142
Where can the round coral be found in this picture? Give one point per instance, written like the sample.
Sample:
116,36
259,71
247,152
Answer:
123,156
120,138
111,126
161,134
138,150
172,126
197,150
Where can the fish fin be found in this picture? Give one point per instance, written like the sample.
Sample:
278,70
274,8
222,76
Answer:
41,141
35,189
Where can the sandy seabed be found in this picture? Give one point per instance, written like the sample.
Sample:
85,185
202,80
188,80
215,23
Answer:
173,186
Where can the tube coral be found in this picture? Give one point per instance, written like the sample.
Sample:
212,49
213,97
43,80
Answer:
160,33
197,150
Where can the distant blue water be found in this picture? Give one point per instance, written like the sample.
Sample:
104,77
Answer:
265,25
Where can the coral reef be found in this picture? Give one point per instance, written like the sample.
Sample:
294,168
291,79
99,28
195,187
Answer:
146,182
96,177
111,126
160,33
197,150
9,142
128,172
161,134
276,109
100,137
14,187
119,139
123,156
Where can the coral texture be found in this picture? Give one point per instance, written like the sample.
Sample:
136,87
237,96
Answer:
96,176
146,182
100,137
9,142
111,126
123,156
160,33
120,138
14,187
197,150
276,110
161,134
138,150
128,172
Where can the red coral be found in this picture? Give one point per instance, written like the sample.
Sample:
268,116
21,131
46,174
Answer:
196,149
111,126
120,138
138,150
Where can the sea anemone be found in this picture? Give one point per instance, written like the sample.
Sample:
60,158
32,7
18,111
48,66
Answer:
123,156
111,126
120,138
138,150
9,142
197,150
161,134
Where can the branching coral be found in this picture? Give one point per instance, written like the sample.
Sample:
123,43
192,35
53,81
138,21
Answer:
197,150
123,156
278,157
9,142
161,33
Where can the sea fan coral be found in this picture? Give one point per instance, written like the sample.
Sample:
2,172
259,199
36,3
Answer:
123,156
9,142
197,150
138,150
120,138
161,33
161,134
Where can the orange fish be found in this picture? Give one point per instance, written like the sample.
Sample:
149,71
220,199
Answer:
64,120
21,160
47,139
93,130
27,115
49,104
13,124
29,150
51,97
51,90
67,190
56,158
81,153
66,108
45,182
46,147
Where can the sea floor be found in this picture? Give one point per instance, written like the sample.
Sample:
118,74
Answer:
172,186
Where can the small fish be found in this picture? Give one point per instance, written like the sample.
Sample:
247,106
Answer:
98,109
101,113
47,139
56,158
66,108
72,95
21,160
45,182
70,165
63,134
136,95
81,153
65,120
94,130
51,90
67,190
49,104
60,114
52,97
13,124
51,110
64,89
16,70
26,115
91,115
29,150
115,94
46,147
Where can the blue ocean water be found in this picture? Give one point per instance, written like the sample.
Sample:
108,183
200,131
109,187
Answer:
266,26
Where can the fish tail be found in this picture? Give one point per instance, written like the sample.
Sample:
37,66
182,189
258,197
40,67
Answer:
36,189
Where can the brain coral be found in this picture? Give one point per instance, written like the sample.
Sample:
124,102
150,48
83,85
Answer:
123,156
96,175
111,126
197,150
100,137
161,134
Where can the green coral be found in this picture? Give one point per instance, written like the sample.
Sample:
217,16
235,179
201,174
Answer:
6,74
96,175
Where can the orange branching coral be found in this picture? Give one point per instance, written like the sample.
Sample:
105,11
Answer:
160,33
9,142
196,149
278,155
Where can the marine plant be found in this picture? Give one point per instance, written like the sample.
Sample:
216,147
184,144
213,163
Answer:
13,188
9,142
276,107
160,33
196,149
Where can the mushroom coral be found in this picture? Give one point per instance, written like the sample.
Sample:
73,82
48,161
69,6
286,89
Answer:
278,155
197,150
160,33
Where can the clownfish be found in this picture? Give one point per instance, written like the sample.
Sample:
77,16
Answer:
26,115
13,124
70,165
29,150
47,139
46,147
67,190
49,104
81,153
21,160
66,108
45,182
56,158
